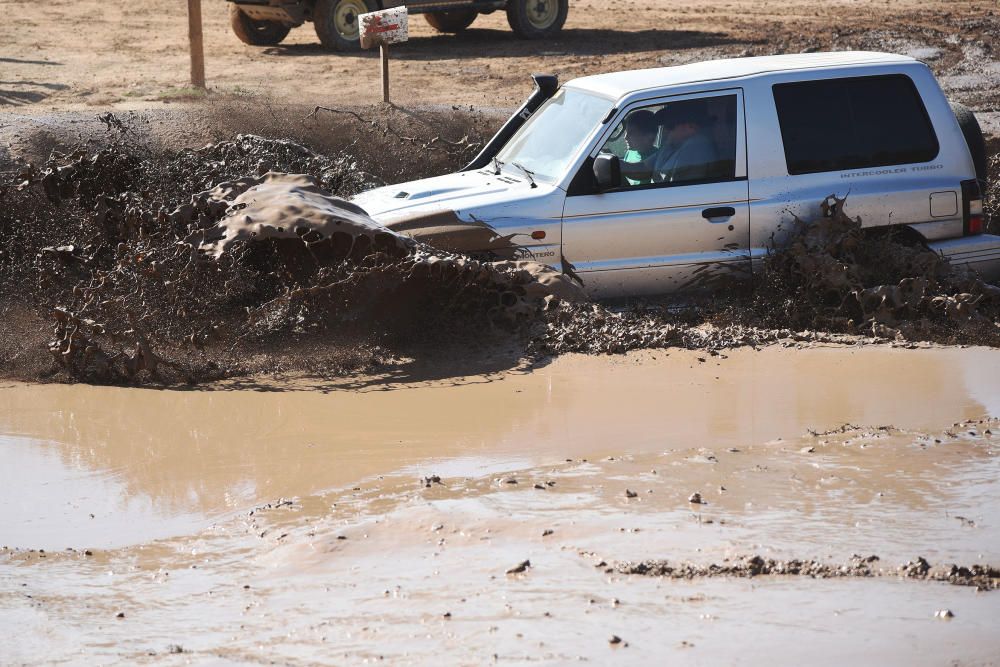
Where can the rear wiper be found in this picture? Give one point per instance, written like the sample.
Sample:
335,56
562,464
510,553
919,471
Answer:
527,172
497,165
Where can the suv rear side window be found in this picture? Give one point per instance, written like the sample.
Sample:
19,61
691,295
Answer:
840,124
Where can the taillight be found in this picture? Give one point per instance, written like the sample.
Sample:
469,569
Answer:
976,224
972,207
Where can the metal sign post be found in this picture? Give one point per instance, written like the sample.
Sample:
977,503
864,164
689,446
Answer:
383,52
389,26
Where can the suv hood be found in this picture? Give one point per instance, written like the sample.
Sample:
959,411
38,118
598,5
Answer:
470,212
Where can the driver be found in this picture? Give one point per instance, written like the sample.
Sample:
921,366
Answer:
688,153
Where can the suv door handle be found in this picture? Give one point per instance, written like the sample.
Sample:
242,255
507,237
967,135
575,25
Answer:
718,212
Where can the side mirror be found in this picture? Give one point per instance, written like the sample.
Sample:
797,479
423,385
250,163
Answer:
607,171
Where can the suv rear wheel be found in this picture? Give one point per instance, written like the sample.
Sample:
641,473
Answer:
455,20
336,22
254,32
535,19
973,137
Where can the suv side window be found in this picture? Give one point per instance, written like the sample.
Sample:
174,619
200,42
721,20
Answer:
678,143
853,123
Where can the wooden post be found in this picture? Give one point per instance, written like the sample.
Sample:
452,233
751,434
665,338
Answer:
384,52
197,48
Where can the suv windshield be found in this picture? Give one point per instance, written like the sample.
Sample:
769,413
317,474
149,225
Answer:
555,133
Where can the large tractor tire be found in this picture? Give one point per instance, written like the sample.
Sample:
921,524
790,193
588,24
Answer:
536,19
254,32
336,22
973,137
455,20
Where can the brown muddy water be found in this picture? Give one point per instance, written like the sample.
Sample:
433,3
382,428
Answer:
389,521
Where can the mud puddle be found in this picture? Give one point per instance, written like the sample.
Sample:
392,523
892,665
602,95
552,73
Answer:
150,463
393,522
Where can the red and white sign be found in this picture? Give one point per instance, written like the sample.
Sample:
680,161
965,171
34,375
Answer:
389,26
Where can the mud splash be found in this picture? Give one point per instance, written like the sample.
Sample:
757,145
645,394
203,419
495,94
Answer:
834,281
991,205
196,265
836,276
238,278
283,207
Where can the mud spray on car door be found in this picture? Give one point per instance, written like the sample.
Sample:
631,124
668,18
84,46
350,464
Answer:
683,225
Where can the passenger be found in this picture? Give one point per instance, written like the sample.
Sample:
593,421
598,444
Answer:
688,153
640,136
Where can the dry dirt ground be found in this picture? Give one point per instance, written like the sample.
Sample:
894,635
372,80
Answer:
92,53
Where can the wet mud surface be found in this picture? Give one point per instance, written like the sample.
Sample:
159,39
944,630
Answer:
692,507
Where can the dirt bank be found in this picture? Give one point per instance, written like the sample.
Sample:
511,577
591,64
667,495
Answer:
982,577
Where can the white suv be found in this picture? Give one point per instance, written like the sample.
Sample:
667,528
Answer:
649,181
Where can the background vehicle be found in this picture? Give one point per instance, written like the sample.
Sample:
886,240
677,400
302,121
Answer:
267,22
786,133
